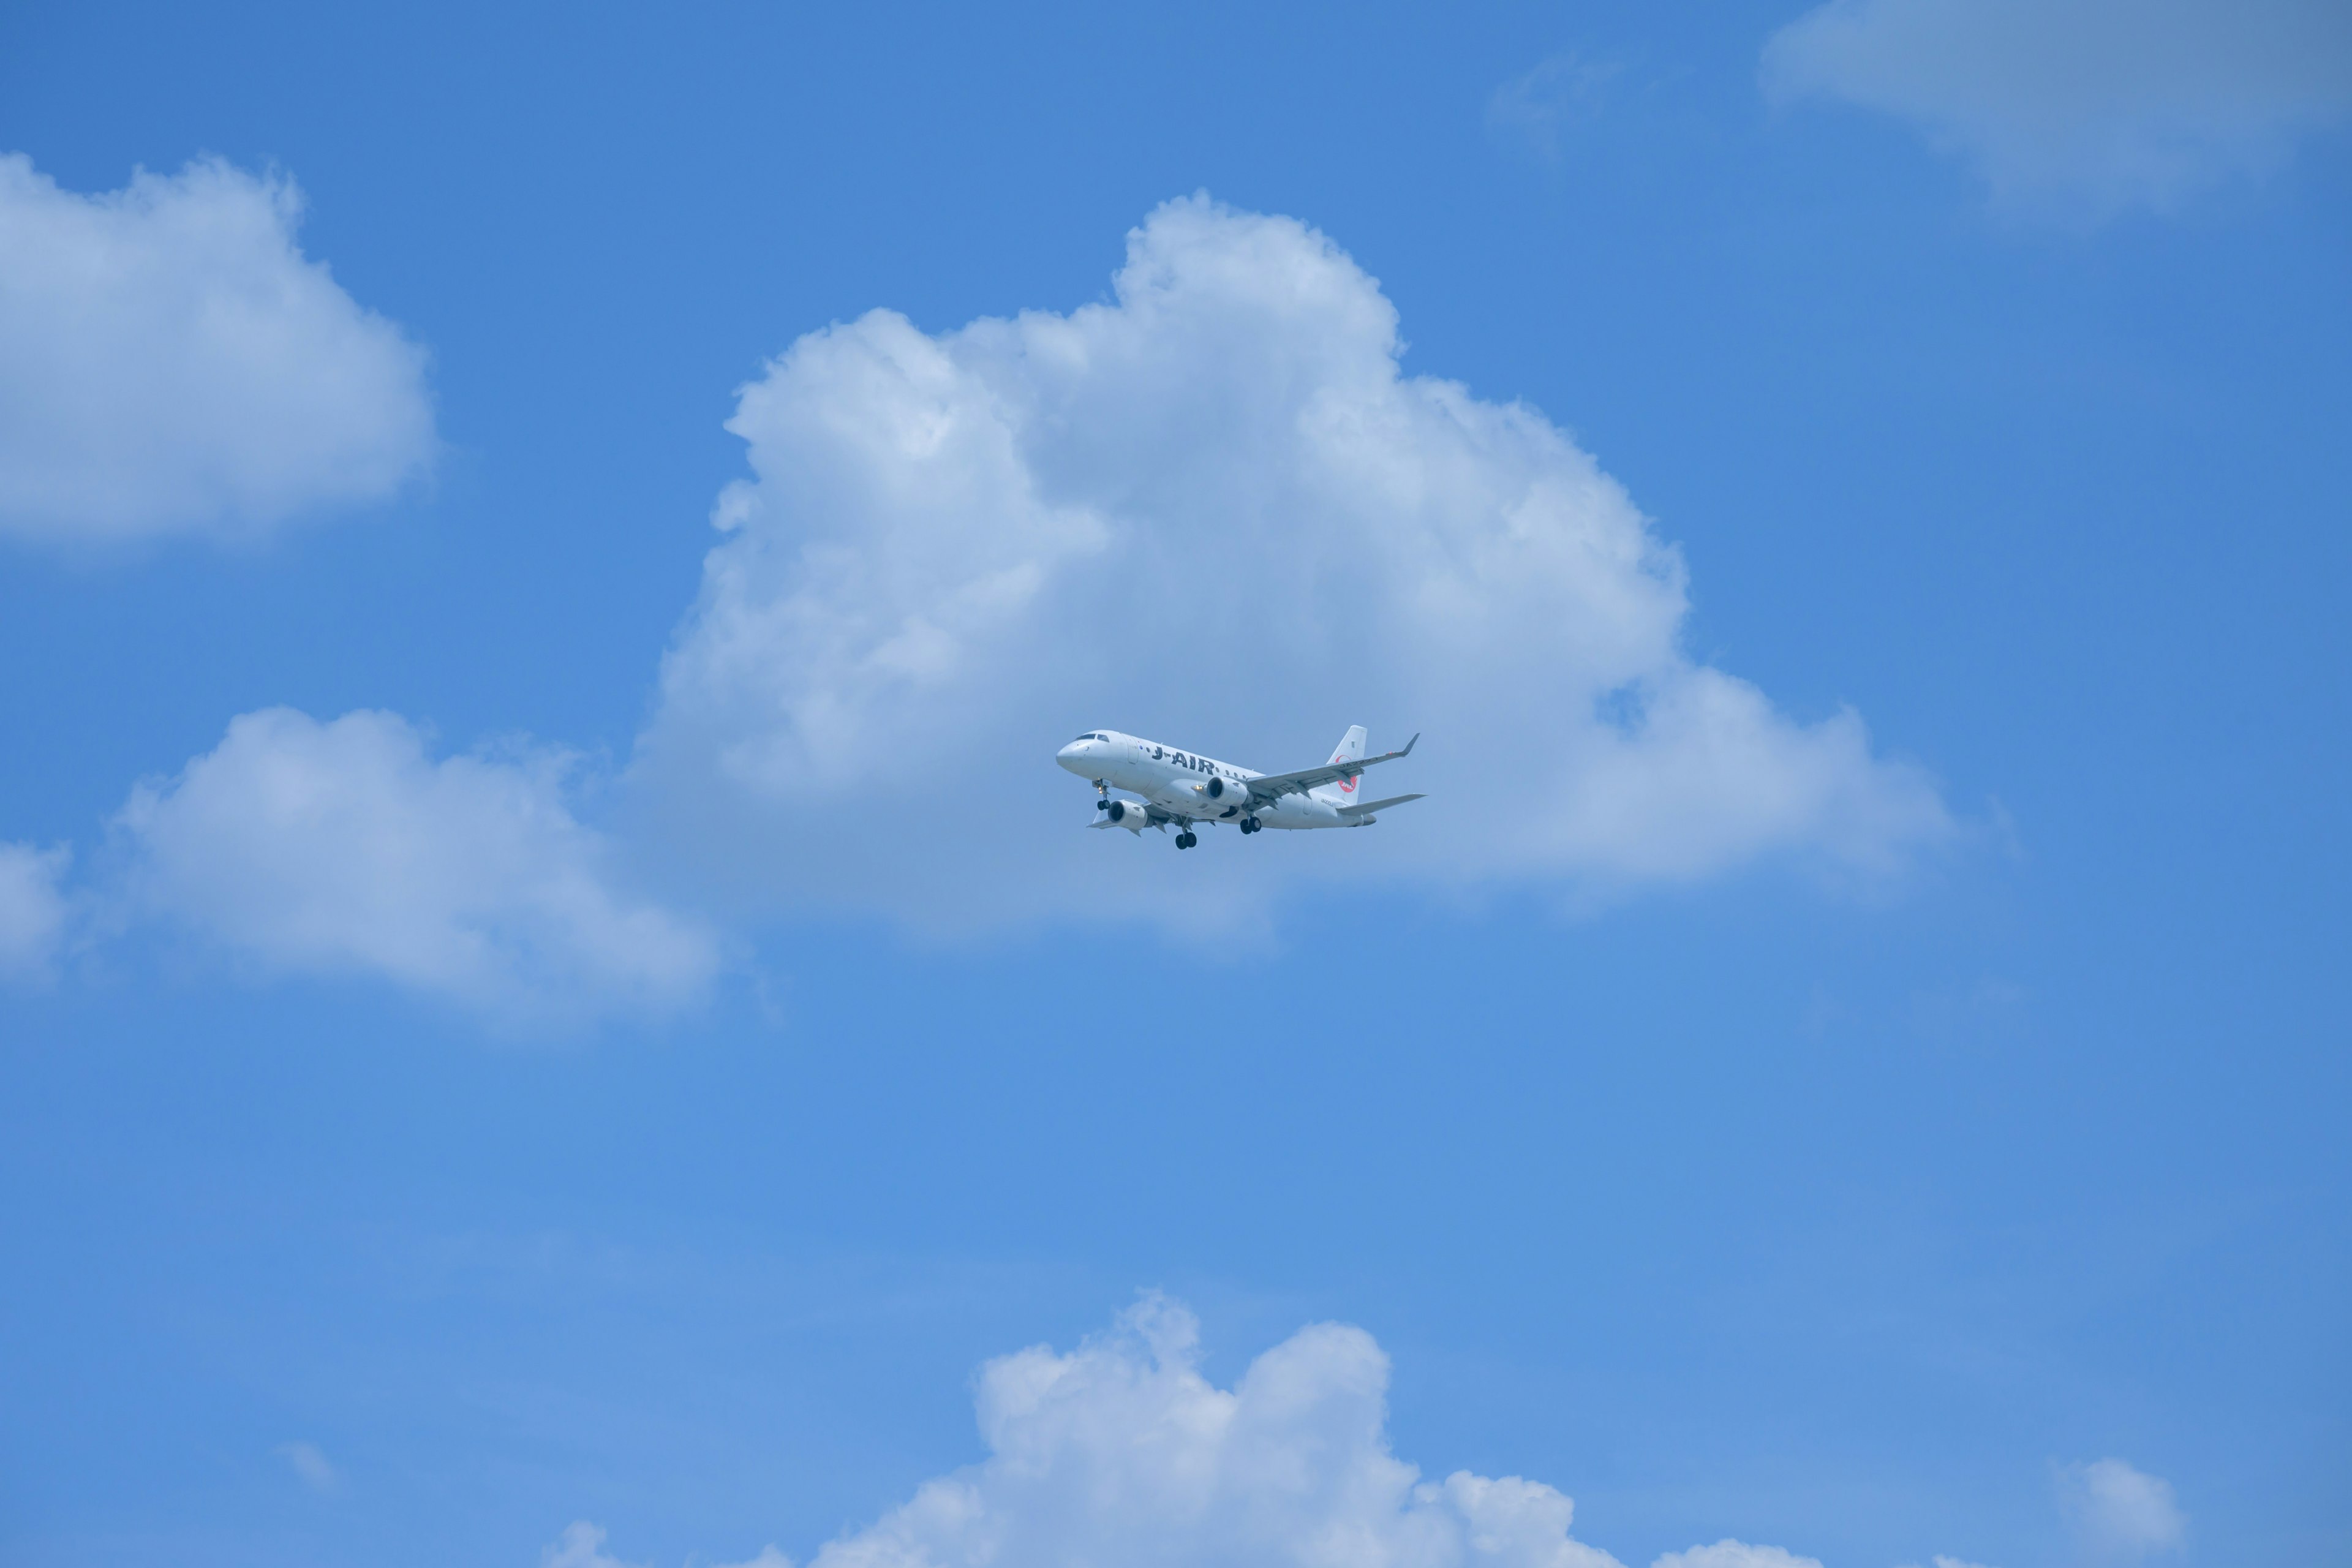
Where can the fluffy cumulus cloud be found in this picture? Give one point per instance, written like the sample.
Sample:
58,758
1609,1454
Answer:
1121,1452
1737,1554
32,911
345,848
170,361
1211,510
2123,1515
2109,102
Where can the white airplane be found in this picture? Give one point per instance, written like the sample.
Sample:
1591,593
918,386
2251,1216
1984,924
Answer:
1186,788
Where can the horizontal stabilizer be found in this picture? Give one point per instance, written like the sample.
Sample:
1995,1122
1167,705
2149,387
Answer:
1370,807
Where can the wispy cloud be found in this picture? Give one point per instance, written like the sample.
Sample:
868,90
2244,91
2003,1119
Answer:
581,1545
311,1467
32,911
1540,107
2082,106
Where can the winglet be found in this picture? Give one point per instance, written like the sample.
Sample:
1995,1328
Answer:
1408,745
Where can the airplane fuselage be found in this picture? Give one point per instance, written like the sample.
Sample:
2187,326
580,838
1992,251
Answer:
1190,787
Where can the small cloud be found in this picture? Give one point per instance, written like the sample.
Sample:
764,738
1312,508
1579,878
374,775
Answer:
2123,1515
1735,1554
346,847
581,1545
170,362
310,1467
1538,107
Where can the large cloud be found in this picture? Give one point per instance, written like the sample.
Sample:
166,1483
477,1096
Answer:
345,848
2109,102
170,362
1211,511
1120,1452
32,911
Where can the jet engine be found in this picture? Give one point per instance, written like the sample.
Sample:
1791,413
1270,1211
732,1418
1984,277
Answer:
1125,814
1226,792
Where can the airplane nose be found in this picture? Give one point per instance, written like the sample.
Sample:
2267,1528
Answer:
1072,756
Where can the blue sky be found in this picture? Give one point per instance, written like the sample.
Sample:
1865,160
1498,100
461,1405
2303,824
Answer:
516,1018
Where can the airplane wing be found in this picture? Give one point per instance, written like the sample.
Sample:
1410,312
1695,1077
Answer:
1274,786
1370,807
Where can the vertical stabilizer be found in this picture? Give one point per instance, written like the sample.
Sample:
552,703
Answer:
1350,747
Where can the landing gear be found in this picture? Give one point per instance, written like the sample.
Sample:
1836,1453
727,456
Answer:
1251,825
1102,794
1186,840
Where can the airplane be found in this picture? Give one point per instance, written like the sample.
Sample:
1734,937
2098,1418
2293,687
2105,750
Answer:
1189,789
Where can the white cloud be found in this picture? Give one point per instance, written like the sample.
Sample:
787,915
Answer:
2122,1513
581,1545
344,848
169,363
32,911
2104,102
1211,511
1538,107
1737,1554
311,1467
1121,1452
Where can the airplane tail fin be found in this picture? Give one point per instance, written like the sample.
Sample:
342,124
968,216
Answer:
1350,747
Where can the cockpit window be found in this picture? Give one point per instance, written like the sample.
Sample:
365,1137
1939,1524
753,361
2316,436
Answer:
1090,737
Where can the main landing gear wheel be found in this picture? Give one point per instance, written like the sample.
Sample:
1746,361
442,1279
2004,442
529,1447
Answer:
1186,840
1251,825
